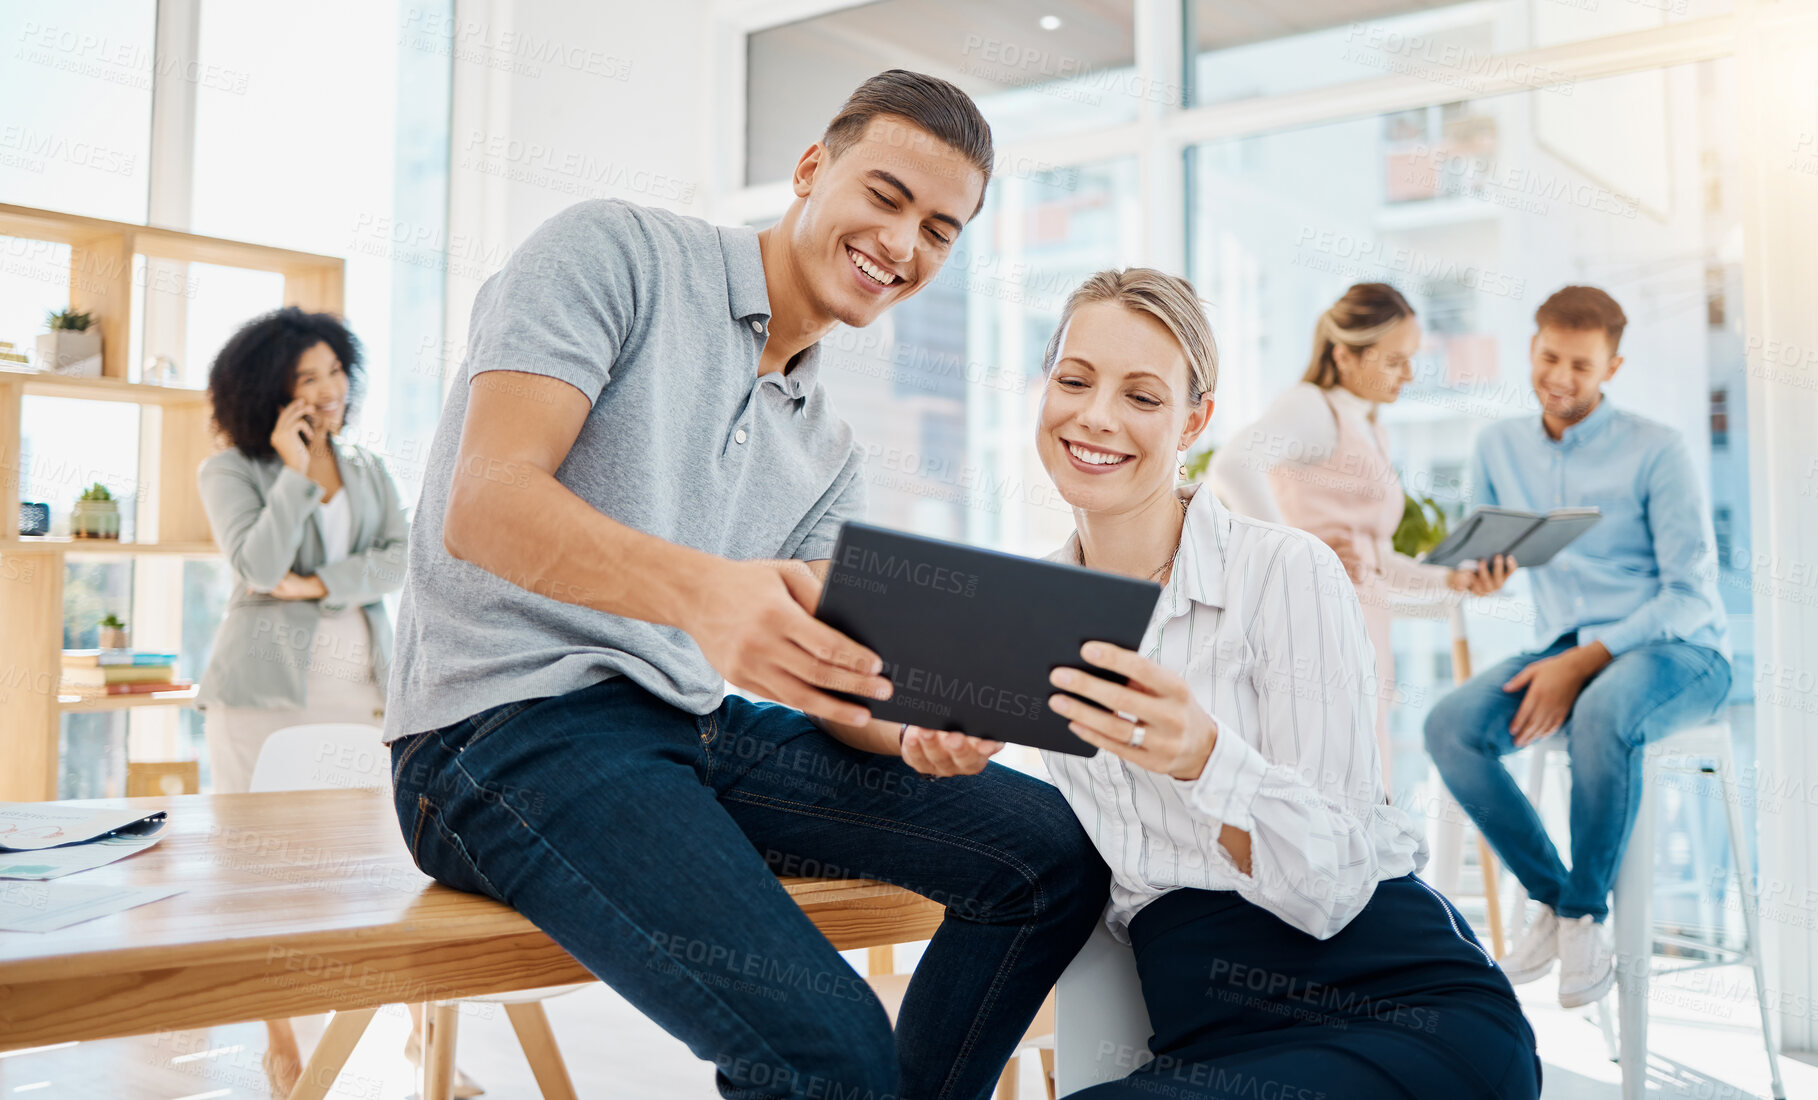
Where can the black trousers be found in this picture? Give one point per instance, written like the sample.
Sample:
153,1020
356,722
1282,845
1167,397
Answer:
1404,1002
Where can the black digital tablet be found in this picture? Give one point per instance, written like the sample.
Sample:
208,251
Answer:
969,636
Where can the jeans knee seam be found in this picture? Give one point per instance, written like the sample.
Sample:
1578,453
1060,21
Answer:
991,996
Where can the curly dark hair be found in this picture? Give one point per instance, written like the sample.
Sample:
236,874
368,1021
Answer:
255,374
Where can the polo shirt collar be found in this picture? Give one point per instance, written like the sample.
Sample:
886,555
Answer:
748,298
746,293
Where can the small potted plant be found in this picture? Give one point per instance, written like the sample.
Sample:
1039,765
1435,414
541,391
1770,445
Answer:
113,633
72,346
1422,527
96,515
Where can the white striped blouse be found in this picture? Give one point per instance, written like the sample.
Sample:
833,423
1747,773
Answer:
1265,627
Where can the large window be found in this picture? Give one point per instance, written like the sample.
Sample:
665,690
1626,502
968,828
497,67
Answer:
304,157
1252,50
285,149
76,80
1477,210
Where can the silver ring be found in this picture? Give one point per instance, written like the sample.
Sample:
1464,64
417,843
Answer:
1137,735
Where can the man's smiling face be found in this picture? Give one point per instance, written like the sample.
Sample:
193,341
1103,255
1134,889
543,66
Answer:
880,218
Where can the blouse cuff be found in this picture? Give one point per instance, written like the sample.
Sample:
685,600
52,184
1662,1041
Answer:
1226,790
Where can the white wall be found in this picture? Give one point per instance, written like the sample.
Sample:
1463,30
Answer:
557,101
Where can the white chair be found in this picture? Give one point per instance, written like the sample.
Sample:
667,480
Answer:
328,754
348,755
1702,749
1101,1025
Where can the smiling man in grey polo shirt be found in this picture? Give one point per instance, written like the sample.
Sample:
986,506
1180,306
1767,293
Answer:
629,502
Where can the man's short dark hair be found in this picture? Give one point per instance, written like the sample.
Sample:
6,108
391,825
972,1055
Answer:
929,102
1580,309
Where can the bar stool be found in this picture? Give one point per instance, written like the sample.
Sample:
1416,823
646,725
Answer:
1697,750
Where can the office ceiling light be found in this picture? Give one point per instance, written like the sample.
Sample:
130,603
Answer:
1050,22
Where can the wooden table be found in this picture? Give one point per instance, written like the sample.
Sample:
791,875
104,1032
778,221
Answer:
307,901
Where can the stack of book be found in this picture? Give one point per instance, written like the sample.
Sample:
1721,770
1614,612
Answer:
119,672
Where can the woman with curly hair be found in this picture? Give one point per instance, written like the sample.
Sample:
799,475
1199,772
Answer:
315,534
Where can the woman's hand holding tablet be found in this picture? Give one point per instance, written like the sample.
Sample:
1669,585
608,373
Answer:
1152,721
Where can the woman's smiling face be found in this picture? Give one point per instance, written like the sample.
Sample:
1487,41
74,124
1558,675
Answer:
321,383
1115,411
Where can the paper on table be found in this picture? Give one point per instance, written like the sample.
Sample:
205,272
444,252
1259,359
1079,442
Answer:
44,863
27,826
48,906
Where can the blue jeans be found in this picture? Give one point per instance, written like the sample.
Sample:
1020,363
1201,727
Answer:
647,842
1641,696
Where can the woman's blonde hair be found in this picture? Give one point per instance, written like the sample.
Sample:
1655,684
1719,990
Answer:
1358,320
1169,299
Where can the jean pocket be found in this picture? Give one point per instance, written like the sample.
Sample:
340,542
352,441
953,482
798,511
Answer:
440,853
401,751
486,721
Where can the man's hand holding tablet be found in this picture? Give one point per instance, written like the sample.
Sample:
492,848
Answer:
941,753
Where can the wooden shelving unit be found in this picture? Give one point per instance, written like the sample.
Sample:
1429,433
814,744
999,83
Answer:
174,437
87,704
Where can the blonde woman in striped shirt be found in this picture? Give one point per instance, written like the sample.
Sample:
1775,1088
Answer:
1285,946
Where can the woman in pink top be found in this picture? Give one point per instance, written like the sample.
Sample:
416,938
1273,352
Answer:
1318,459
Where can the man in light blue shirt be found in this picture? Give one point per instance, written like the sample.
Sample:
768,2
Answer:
1633,639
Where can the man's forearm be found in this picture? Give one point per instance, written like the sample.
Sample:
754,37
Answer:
531,530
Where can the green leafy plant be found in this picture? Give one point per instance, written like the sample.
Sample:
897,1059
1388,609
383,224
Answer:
111,621
1422,526
97,491
69,320
1197,464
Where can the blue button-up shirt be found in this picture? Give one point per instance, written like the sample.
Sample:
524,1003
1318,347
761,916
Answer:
1647,572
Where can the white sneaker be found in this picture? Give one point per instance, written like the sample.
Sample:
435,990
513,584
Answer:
1586,968
1533,954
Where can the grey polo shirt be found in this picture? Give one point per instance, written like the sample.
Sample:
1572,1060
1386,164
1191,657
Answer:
659,319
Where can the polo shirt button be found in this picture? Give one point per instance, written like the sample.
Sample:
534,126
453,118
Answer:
738,436
757,327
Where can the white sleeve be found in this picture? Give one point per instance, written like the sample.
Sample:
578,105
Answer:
1311,794
1297,430
1414,581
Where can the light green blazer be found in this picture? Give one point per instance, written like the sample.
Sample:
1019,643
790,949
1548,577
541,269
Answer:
263,515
